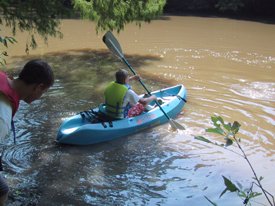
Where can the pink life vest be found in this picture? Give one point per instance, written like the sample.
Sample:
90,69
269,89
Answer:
9,92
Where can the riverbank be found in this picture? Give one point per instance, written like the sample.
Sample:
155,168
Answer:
240,9
209,14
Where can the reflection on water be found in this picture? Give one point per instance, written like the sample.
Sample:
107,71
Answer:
225,73
256,90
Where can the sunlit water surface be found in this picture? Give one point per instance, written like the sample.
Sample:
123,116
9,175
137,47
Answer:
227,67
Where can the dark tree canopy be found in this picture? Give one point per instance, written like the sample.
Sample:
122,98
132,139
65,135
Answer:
252,8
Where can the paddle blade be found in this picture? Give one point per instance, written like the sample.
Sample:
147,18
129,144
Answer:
175,125
112,43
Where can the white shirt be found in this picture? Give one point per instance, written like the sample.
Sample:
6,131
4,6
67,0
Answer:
130,97
5,117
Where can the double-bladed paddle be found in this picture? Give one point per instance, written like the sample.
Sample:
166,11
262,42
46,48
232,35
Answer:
112,43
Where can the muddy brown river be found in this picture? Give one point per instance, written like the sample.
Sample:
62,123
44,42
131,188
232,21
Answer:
228,68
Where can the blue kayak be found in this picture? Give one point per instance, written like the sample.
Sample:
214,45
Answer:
89,127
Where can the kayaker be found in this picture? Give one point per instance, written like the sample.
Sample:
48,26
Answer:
34,79
119,97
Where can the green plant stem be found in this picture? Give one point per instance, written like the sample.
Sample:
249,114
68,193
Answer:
232,151
255,175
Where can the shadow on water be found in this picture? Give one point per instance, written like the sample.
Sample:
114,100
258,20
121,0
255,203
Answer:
96,175
47,171
88,70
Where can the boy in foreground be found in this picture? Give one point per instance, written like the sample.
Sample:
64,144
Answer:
34,79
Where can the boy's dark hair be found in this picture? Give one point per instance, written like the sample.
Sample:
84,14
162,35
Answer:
37,72
121,76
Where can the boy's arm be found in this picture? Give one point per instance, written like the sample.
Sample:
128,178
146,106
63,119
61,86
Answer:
147,100
135,77
5,117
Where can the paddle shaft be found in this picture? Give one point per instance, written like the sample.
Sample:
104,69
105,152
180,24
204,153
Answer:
133,71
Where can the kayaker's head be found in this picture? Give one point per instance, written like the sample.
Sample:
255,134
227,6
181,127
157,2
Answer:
34,79
122,76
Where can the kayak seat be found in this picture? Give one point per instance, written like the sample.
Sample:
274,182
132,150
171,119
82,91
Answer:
96,117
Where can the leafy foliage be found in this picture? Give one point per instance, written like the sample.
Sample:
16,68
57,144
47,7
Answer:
115,14
229,131
34,16
42,17
229,186
252,8
229,5
5,41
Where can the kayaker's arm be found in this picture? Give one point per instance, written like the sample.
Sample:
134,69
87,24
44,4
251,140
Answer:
134,77
147,100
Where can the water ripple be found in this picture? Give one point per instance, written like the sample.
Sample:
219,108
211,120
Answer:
255,90
18,157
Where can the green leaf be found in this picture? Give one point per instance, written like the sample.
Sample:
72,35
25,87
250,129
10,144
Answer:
3,62
201,138
11,40
217,120
27,49
216,130
254,194
221,145
227,126
228,142
235,128
242,194
213,203
229,185
223,192
5,42
5,53
33,43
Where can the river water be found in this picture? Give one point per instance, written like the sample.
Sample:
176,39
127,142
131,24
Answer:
228,68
